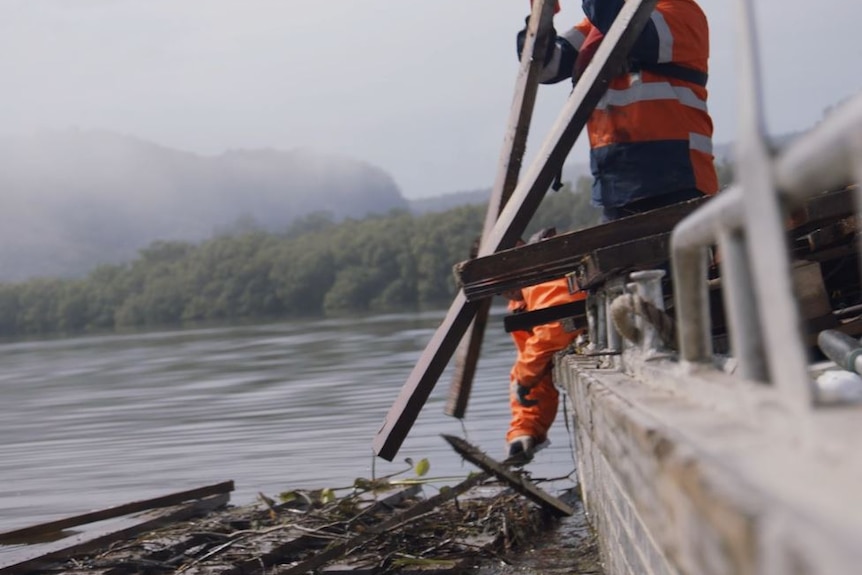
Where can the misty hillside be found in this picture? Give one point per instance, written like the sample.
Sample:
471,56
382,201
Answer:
72,200
446,202
572,172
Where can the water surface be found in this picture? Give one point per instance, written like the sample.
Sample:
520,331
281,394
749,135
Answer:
91,422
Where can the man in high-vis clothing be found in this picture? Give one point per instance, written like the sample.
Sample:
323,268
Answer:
533,398
650,134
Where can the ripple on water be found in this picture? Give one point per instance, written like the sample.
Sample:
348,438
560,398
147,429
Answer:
92,422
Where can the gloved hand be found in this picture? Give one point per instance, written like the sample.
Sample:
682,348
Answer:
549,47
521,392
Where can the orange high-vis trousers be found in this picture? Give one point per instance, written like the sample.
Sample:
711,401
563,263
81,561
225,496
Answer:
536,349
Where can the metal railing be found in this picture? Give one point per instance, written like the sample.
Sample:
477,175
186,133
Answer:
746,222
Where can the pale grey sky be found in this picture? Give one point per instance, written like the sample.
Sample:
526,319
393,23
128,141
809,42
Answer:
419,88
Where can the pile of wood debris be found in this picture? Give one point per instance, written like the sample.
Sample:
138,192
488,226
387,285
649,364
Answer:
377,527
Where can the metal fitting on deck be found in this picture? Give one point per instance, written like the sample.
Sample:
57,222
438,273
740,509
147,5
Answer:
639,315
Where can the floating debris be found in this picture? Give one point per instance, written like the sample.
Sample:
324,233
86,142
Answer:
377,527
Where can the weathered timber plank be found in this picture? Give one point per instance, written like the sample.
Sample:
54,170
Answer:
511,155
40,556
554,257
466,360
530,319
19,535
516,480
413,395
514,219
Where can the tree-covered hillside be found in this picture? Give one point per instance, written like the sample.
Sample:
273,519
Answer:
76,199
399,261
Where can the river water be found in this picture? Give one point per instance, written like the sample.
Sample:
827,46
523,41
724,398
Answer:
91,422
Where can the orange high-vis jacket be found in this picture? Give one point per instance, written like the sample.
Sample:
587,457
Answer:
536,350
651,133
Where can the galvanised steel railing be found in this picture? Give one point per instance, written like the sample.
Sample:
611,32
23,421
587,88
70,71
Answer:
746,223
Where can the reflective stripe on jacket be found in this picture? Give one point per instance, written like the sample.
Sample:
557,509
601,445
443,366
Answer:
651,133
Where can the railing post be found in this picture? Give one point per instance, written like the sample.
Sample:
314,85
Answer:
746,336
615,287
648,288
601,321
764,231
691,297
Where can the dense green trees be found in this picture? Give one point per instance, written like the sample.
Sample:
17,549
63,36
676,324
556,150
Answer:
386,263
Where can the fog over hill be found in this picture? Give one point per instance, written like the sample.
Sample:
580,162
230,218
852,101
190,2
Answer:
75,199
72,200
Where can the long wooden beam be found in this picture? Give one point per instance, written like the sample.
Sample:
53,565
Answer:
554,257
515,480
58,525
36,559
514,218
509,167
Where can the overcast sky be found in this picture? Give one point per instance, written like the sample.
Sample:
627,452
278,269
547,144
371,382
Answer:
421,88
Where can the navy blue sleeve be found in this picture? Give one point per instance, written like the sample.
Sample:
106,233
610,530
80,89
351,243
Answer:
601,13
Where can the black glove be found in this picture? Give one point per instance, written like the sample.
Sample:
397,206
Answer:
521,392
549,47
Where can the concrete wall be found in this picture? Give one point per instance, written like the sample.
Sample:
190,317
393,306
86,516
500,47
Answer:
676,480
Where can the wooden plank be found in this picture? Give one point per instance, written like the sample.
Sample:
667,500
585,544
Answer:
555,257
39,557
511,155
466,361
530,319
517,481
514,219
25,533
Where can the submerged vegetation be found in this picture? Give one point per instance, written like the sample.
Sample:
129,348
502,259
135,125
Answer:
316,267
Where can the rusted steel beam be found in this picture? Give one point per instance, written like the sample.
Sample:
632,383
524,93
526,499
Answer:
514,218
516,481
555,257
19,535
511,155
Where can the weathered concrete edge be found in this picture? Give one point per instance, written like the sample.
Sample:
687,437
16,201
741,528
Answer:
674,487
